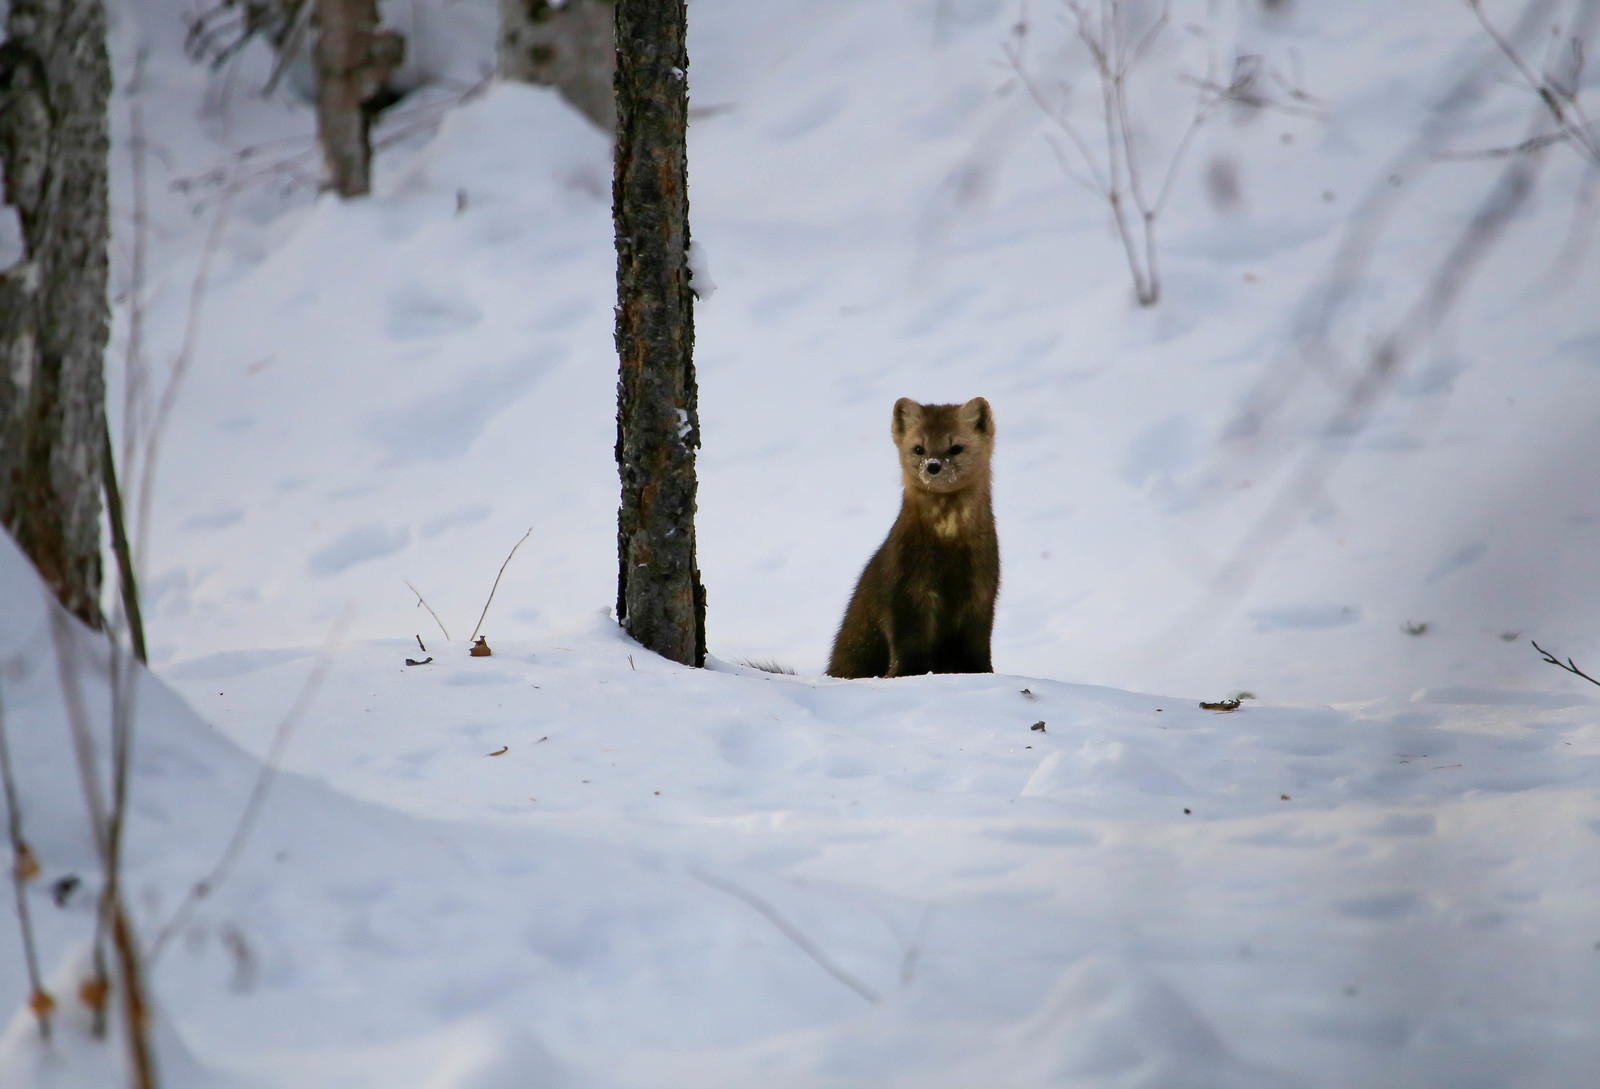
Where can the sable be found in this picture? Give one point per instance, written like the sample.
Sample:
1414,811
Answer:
925,602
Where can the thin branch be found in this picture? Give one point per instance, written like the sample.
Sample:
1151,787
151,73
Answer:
135,376
1014,55
89,781
473,637
23,868
291,46
119,546
82,735
1558,100
1531,144
258,796
790,931
135,1007
1568,665
423,602
180,368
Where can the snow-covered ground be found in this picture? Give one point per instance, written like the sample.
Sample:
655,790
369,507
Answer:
573,863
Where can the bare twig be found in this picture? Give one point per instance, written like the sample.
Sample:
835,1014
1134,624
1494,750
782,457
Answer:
496,585
180,368
89,781
790,931
1116,174
24,867
1559,96
1568,665
423,602
1364,391
106,832
119,546
258,795
290,46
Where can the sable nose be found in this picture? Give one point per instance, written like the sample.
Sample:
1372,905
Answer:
933,468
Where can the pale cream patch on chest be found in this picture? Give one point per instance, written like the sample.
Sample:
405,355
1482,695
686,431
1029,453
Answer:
949,523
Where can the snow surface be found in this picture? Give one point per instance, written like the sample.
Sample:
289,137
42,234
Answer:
576,864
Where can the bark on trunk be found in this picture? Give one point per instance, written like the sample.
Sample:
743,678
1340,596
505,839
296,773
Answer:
659,597
55,82
569,47
352,59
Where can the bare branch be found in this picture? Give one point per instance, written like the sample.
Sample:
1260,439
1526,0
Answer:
180,368
1568,665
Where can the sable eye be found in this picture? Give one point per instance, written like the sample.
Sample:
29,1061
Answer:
917,450
954,450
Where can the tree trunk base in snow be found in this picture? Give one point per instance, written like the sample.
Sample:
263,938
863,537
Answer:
660,600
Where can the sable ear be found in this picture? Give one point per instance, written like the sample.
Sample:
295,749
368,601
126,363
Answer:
976,415
907,414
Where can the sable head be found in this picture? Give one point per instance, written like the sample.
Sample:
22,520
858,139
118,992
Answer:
944,448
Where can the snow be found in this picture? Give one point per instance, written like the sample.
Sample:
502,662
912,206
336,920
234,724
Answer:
574,863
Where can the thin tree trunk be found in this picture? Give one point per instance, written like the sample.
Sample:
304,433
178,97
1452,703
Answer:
55,82
352,59
660,600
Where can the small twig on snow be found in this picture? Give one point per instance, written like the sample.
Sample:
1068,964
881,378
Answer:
423,602
473,637
790,931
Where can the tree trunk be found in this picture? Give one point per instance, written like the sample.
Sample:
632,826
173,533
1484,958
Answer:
569,47
55,83
352,59
659,597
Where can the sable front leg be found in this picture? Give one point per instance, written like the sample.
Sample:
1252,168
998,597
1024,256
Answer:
910,642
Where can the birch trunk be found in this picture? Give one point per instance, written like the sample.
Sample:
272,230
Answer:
55,83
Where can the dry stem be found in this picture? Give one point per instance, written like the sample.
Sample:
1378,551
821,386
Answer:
793,933
40,999
495,587
258,795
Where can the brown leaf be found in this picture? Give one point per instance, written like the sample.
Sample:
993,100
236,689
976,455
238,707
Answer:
501,751
93,993
27,863
42,1005
480,649
1038,726
1223,706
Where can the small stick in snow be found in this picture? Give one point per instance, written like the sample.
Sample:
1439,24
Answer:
790,931
496,585
436,620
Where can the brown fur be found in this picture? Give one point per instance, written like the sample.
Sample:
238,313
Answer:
925,602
